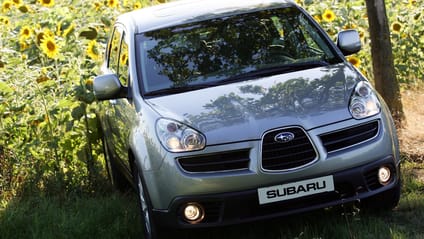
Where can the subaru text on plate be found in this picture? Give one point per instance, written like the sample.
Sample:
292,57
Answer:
221,112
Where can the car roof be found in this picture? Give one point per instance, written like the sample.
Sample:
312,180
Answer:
185,11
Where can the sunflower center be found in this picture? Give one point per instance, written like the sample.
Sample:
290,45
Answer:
396,27
51,46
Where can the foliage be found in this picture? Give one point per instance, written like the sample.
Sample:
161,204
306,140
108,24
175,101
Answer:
407,29
51,50
406,26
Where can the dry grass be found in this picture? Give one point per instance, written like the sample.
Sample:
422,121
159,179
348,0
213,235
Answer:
411,136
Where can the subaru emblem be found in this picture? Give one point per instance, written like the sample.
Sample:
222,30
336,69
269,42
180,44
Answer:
284,137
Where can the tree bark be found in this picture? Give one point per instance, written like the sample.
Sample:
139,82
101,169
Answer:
382,58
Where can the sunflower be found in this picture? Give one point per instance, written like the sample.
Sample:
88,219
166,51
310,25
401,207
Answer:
89,82
328,15
112,3
42,78
41,35
350,26
396,27
97,6
93,51
17,2
4,20
49,47
124,59
137,5
6,6
362,35
26,32
354,61
411,3
23,45
47,3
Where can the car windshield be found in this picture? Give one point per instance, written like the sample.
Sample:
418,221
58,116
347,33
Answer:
228,49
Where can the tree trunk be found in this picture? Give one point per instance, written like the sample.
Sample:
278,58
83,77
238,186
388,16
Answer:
382,58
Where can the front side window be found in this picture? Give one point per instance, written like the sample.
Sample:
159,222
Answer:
118,55
228,49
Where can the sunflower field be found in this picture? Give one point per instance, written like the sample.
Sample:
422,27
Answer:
406,26
50,52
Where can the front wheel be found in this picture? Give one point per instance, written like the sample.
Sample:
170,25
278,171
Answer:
150,227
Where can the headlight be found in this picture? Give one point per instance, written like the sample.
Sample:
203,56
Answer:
177,137
364,101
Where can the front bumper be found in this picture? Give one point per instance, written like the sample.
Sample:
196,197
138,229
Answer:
351,185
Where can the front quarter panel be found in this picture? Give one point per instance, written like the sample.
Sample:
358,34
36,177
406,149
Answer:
390,129
147,150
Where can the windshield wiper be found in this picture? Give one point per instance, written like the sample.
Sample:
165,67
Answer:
179,89
273,70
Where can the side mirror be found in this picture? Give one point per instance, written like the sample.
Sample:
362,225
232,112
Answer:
349,42
107,87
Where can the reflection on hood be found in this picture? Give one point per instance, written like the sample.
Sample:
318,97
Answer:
308,98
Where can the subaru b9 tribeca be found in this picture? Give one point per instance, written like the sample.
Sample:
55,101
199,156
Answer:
221,112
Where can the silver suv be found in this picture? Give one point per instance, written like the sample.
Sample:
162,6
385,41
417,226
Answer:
221,112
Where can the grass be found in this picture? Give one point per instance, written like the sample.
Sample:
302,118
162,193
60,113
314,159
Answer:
112,216
116,215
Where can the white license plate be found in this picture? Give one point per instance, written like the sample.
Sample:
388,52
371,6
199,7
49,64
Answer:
295,190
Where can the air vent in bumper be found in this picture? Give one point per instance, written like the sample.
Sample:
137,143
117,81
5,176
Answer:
227,161
348,137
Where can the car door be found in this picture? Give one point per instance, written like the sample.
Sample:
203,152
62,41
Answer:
119,113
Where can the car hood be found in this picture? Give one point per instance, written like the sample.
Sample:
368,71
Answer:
245,110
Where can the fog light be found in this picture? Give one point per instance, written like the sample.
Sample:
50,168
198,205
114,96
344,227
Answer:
193,213
384,175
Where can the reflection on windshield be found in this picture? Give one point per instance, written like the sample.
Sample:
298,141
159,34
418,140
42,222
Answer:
209,52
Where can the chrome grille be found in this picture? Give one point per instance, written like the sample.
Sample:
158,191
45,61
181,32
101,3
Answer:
283,156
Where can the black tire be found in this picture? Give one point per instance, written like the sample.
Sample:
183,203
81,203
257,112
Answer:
116,178
151,229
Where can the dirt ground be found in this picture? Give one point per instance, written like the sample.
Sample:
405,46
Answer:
411,136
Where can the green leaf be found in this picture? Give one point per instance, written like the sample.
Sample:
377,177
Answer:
78,112
90,33
5,88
